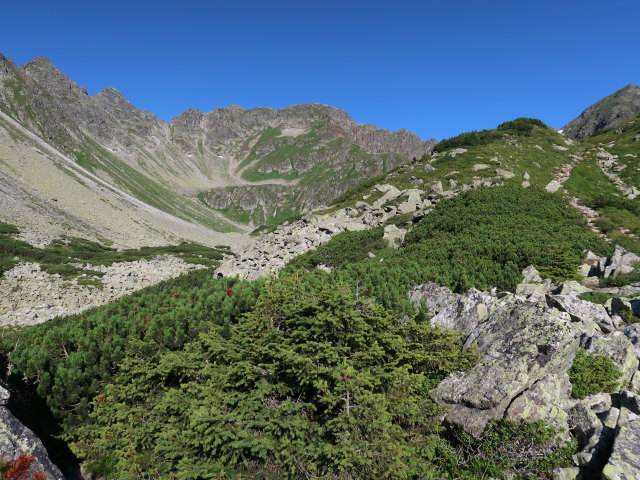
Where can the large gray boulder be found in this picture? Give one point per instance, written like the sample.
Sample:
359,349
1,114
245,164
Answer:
17,440
622,261
458,312
523,343
583,311
624,462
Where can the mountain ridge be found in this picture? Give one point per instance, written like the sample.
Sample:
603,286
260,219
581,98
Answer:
317,150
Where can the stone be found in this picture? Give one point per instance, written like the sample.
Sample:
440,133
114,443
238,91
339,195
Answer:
457,151
521,343
506,174
4,396
532,283
393,236
16,439
622,261
546,400
553,186
559,147
480,166
454,311
624,462
633,334
584,425
571,287
583,311
566,473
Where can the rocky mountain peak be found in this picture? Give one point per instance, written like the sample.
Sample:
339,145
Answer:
47,75
608,112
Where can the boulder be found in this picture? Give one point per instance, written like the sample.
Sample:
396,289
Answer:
633,334
17,440
553,186
571,287
622,261
624,462
522,343
583,311
532,283
458,312
393,236
506,174
546,400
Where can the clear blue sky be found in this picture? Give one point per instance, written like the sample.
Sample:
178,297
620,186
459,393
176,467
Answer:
435,68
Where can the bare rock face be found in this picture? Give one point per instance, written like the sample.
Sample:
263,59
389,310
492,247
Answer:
18,443
608,112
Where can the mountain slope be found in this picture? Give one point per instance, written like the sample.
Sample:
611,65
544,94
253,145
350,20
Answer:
312,152
608,112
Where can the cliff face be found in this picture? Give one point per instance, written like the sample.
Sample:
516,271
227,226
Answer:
316,151
608,112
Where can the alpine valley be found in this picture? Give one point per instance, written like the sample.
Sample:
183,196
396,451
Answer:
287,294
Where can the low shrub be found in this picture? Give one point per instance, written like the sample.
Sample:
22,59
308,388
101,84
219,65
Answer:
508,449
344,248
591,374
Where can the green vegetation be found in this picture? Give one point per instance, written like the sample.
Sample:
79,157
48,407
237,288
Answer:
591,374
481,238
597,297
622,279
307,375
508,449
343,249
530,154
56,257
237,379
518,127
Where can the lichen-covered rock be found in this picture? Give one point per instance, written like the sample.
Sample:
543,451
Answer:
458,312
624,462
618,348
571,287
522,343
393,236
532,283
633,334
546,400
17,440
583,311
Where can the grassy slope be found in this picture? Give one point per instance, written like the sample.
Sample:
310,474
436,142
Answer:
618,217
285,150
516,154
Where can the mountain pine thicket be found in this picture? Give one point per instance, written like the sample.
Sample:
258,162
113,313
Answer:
312,374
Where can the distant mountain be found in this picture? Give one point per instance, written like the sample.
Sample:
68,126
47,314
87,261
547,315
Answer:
608,112
227,170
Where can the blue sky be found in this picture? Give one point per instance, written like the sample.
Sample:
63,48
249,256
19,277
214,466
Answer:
435,68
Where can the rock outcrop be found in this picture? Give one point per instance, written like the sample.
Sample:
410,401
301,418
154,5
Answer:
19,444
527,343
